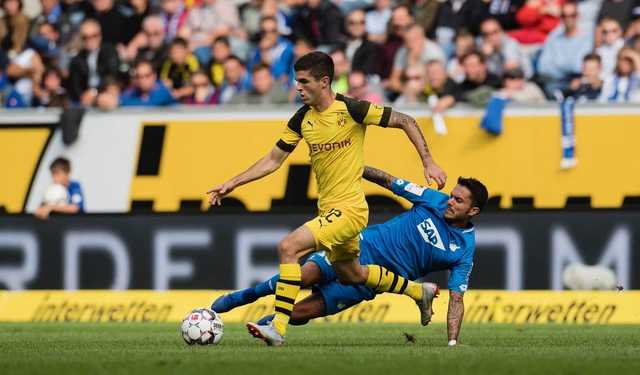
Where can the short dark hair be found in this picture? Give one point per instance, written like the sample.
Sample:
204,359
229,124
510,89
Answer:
261,66
473,53
60,163
592,57
319,65
479,193
222,39
180,42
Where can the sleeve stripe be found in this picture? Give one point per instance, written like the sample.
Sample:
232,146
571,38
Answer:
386,115
284,146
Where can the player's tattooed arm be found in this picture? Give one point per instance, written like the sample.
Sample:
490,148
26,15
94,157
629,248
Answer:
407,123
378,176
454,315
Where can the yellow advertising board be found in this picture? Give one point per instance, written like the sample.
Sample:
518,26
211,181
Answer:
484,306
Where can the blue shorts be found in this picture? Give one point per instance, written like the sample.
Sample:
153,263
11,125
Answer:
337,297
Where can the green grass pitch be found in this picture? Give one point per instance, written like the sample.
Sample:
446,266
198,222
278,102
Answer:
328,349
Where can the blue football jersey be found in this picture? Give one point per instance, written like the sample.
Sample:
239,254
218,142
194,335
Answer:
419,240
75,195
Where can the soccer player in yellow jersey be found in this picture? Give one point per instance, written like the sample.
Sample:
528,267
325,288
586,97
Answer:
333,127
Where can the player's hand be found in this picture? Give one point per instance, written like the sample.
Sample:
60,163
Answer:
216,194
432,172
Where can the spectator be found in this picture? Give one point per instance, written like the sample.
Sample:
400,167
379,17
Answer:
401,20
464,43
72,202
174,16
479,83
362,53
518,90
176,71
425,13
588,86
624,85
341,68
151,43
501,51
204,93
265,89
51,93
536,19
74,12
95,62
274,50
211,19
271,8
417,50
24,71
146,90
14,27
50,13
236,79
139,11
250,15
414,82
114,21
610,41
623,11
46,43
301,47
376,21
504,11
221,50
454,15
562,53
440,85
320,22
361,89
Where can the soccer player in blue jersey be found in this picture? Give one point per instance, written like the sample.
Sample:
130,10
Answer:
435,234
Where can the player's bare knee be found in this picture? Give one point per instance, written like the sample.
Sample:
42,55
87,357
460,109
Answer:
287,251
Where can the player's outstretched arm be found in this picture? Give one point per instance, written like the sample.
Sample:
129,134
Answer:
263,167
454,316
407,123
378,176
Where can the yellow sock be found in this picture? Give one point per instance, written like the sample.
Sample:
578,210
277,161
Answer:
382,280
287,289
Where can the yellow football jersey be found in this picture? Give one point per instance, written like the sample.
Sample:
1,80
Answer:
336,138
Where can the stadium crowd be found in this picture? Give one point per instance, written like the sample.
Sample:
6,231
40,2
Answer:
111,53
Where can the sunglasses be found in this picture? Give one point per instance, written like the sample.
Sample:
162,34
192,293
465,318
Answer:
490,32
90,36
570,15
356,22
145,75
610,31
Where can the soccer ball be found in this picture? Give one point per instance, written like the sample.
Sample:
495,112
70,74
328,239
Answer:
56,194
202,326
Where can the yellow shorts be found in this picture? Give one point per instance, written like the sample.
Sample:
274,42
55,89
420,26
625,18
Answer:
337,231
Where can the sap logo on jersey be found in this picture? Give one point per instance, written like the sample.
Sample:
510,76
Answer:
430,233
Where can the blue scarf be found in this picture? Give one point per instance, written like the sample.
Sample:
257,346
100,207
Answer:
567,107
494,115
633,82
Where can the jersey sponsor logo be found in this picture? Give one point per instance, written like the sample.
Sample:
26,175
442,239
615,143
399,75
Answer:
322,147
430,233
414,189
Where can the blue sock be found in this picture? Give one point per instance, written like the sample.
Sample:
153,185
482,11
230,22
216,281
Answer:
267,287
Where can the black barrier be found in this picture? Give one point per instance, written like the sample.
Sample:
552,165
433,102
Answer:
515,250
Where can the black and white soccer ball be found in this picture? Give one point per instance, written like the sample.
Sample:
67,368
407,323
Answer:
202,326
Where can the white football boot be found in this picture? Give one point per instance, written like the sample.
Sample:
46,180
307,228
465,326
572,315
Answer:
266,333
429,292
